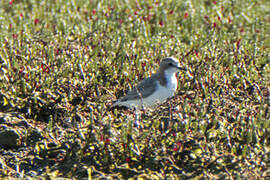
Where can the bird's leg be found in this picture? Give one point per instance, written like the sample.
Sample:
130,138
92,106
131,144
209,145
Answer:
169,121
137,118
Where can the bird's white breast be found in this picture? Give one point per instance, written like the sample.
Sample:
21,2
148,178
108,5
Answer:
171,80
161,94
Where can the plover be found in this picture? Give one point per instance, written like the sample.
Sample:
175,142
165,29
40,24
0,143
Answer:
154,89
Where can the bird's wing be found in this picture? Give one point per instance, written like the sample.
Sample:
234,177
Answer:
143,89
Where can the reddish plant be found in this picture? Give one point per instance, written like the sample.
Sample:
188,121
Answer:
15,36
185,15
36,21
128,159
161,23
11,2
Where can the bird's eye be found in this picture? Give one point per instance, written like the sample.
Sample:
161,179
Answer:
170,64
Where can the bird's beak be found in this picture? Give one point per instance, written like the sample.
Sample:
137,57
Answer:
181,68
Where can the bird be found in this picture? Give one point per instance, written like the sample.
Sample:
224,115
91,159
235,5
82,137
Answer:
155,89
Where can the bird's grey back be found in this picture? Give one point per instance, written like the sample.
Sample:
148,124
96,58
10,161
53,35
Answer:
142,90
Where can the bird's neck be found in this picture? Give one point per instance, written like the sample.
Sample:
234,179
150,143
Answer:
166,76
170,73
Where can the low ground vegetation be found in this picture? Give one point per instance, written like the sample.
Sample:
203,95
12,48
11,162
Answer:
64,62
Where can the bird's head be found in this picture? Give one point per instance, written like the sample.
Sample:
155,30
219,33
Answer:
171,64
